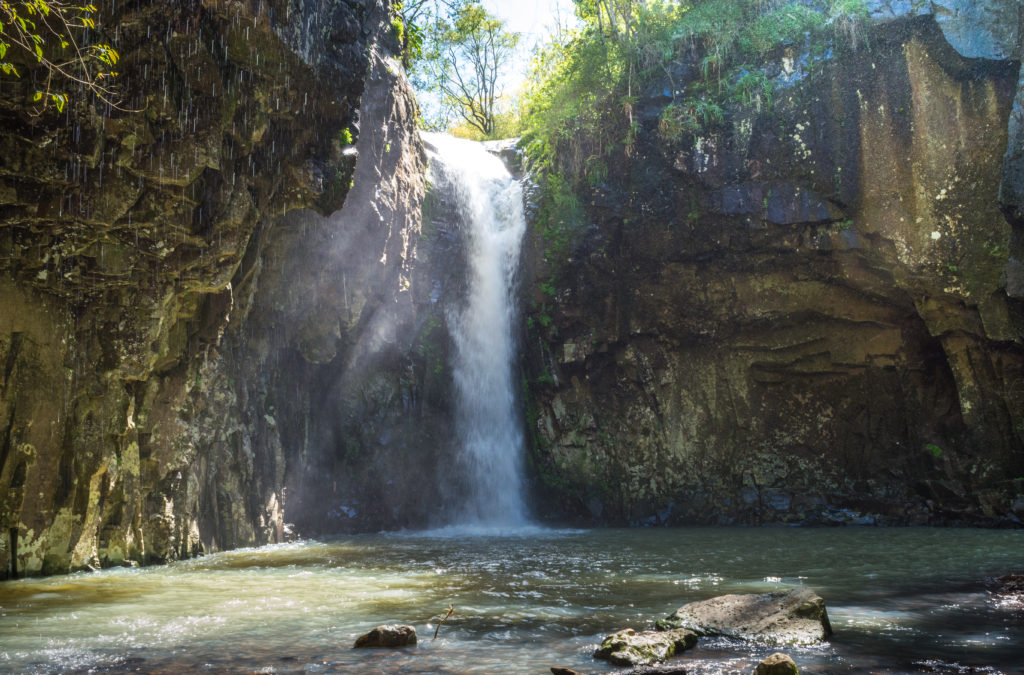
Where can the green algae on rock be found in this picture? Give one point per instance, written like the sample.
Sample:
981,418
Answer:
630,648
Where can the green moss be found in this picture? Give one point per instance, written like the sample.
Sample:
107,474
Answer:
751,86
691,117
560,216
790,24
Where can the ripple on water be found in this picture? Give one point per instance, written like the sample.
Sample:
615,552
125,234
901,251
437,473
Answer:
523,603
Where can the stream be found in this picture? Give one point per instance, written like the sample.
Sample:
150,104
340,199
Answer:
900,600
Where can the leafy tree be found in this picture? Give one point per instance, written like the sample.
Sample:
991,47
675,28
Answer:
53,35
464,53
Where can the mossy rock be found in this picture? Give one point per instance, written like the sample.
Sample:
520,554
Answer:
630,648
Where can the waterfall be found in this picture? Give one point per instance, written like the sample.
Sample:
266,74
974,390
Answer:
488,423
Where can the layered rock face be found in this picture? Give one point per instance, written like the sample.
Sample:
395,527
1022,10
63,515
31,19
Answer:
175,276
811,313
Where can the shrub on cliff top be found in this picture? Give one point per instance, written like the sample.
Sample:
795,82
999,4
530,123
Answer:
583,85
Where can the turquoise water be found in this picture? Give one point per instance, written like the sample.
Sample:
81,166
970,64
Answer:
900,600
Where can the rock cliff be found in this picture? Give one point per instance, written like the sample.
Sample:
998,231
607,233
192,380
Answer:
176,274
810,312
218,311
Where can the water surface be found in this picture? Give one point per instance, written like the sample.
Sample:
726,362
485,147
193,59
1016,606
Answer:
900,600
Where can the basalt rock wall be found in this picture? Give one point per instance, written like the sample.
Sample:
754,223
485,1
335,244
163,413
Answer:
809,313
178,273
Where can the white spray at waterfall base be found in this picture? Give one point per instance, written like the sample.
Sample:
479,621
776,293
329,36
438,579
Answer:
487,420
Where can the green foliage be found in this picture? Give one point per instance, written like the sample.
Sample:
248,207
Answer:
559,217
689,117
596,170
847,19
569,94
398,29
783,26
52,35
345,137
581,90
429,346
464,52
935,450
752,86
713,23
407,25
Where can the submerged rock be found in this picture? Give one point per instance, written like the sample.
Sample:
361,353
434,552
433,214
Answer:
658,670
796,617
777,664
390,636
630,648
1010,590
1011,583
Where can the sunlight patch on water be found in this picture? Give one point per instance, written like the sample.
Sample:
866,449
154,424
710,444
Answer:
867,618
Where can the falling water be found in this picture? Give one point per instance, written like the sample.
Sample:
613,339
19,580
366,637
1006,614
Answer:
490,202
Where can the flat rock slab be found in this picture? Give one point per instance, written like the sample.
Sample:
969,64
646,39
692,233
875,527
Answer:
630,648
796,617
389,637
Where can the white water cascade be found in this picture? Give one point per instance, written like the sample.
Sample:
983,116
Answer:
487,420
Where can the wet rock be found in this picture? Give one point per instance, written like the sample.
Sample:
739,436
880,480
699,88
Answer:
1009,591
658,670
1011,583
753,326
776,664
796,617
556,670
630,648
390,636
151,274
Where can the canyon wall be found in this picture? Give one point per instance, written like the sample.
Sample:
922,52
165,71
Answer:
175,273
811,312
221,319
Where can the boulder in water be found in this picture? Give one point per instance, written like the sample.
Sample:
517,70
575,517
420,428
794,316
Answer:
777,664
796,617
630,648
390,637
